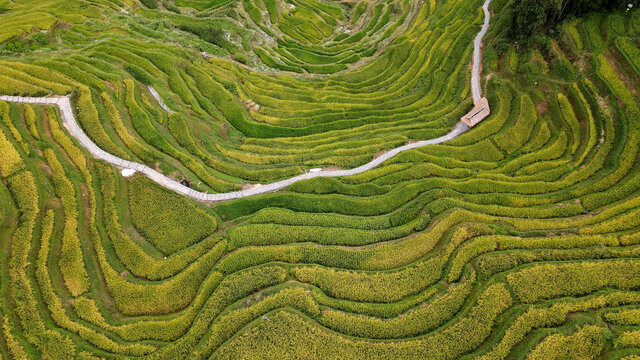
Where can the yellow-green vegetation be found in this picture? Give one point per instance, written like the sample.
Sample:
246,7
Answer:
11,162
166,219
71,262
520,239
587,343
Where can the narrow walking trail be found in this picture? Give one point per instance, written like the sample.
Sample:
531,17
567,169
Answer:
76,131
477,53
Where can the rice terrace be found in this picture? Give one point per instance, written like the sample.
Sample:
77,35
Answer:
320,179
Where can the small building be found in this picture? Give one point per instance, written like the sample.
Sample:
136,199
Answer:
479,112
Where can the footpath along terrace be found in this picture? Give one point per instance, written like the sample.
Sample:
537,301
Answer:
76,131
520,238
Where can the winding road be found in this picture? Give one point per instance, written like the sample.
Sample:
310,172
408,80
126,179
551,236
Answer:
76,131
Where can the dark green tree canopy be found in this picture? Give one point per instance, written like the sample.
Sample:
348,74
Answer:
533,16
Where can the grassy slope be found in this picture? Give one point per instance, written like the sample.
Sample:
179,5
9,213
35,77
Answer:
525,226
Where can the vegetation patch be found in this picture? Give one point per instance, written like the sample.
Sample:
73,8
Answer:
168,220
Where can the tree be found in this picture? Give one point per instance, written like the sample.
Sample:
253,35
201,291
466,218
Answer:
534,16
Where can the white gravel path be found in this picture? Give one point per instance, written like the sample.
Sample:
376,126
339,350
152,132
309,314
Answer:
76,131
156,96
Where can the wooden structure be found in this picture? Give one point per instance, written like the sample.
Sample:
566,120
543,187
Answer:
479,112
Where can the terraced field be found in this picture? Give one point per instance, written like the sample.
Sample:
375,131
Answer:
517,239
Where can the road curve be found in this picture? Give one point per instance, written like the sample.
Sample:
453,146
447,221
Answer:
76,131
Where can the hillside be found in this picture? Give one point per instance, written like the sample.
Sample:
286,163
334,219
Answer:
355,217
